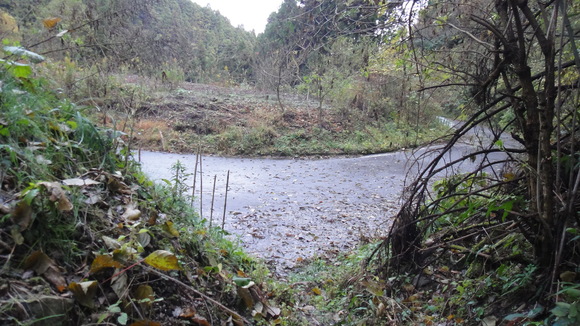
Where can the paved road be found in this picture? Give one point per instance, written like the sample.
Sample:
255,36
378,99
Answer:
285,210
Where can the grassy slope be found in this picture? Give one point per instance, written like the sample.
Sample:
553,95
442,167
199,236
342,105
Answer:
245,121
78,221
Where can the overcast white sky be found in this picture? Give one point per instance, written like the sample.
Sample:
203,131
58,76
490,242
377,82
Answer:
253,14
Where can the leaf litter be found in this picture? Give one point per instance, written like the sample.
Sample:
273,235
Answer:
128,271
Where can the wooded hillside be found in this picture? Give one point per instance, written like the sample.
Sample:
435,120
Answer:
147,37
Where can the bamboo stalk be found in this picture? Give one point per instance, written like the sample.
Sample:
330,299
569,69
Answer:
212,199
226,200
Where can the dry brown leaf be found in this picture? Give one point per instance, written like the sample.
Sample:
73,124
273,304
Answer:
38,261
568,276
93,199
4,209
117,186
258,310
274,312
200,320
119,284
153,218
54,276
50,23
102,262
22,215
188,312
131,213
58,196
111,243
41,264
145,294
125,254
246,296
145,323
84,292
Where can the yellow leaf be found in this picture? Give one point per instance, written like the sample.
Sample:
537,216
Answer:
103,261
508,176
169,228
50,23
316,291
163,260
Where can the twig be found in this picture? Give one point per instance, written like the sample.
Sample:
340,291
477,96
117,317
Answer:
200,186
226,200
190,288
212,199
162,140
194,176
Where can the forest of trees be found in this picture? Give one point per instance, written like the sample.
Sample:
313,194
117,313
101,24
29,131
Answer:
146,37
509,66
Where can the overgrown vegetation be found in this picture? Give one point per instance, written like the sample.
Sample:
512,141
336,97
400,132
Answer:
348,103
496,242
86,238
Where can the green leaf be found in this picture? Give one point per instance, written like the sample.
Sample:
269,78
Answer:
4,132
114,309
20,70
123,319
561,310
575,293
72,124
573,311
30,195
241,281
514,317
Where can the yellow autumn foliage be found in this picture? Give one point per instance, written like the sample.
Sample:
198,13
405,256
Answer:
9,27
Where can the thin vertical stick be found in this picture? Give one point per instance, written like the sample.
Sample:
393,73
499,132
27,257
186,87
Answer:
139,154
226,201
200,186
194,177
162,141
212,198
